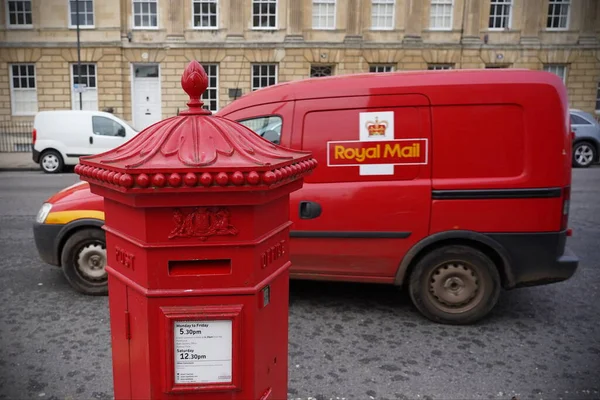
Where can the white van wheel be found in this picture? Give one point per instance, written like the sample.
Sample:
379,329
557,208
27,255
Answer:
51,162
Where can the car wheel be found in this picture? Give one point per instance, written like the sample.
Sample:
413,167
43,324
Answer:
455,285
84,260
584,155
51,162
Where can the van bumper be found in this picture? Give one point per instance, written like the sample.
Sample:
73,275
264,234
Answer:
35,156
537,258
46,237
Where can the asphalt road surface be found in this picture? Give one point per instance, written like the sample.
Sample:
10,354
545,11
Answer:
347,341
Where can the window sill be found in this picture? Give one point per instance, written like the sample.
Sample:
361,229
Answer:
86,27
19,27
255,28
145,28
204,28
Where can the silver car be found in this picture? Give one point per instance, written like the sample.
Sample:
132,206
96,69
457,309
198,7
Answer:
586,143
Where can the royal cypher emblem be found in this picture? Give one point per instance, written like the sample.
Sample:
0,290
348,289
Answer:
202,223
376,128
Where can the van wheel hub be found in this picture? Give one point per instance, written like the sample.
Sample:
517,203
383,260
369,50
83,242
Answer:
91,262
50,162
454,285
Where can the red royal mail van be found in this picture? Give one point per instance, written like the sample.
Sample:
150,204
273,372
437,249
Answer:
451,184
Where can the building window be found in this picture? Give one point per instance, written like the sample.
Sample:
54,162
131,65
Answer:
86,13
323,14
317,71
145,14
264,14
382,14
263,75
560,70
84,80
205,13
436,67
19,13
598,98
381,68
558,14
23,91
210,97
441,14
500,14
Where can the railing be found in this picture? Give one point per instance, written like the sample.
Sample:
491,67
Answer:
15,137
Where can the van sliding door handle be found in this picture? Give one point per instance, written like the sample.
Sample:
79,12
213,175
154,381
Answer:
91,140
309,209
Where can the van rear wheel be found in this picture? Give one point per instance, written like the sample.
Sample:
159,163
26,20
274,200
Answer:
455,285
51,162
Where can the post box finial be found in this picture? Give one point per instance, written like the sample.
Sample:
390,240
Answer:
194,82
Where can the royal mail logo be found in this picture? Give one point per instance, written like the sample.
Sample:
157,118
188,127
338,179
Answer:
376,128
389,152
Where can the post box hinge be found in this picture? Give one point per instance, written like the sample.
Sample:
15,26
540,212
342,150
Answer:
127,326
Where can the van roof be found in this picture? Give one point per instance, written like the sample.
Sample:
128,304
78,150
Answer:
390,82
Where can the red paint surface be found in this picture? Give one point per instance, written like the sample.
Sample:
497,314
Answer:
486,129
192,205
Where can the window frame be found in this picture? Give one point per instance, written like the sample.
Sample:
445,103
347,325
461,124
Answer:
276,74
145,28
18,26
569,4
442,29
12,89
440,66
332,66
72,84
102,117
263,116
264,28
327,2
393,25
384,66
509,17
71,26
549,67
217,15
216,88
573,116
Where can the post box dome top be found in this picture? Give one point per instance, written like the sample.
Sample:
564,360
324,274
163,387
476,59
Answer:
195,150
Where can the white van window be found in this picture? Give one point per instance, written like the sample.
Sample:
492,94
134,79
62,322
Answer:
107,127
268,127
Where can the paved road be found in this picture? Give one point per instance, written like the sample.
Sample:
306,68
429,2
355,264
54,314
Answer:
346,341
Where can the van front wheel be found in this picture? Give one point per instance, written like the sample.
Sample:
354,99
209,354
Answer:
455,285
51,162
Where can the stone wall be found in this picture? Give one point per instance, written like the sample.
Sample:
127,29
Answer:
114,70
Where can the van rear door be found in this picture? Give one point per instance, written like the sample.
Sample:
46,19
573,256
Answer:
368,201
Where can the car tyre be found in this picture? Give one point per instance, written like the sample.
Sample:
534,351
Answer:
584,154
455,285
83,261
51,162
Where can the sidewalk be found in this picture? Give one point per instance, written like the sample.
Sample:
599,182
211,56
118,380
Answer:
18,162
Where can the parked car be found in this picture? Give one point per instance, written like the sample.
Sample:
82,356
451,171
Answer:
60,137
446,183
586,144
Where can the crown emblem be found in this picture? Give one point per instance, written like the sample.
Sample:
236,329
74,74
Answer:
376,128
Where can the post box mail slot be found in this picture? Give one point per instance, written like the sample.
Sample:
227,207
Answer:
199,267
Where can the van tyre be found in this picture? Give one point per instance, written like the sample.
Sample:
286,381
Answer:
51,162
83,261
455,285
584,154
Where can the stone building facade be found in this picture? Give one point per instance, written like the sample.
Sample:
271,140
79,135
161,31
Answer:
134,51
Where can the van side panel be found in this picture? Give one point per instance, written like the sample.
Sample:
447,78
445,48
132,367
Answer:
367,222
499,166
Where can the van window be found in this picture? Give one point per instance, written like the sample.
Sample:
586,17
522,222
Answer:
267,127
577,120
107,127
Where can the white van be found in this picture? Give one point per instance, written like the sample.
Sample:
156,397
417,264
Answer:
60,137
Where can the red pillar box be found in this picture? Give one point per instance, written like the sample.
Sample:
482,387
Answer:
197,232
